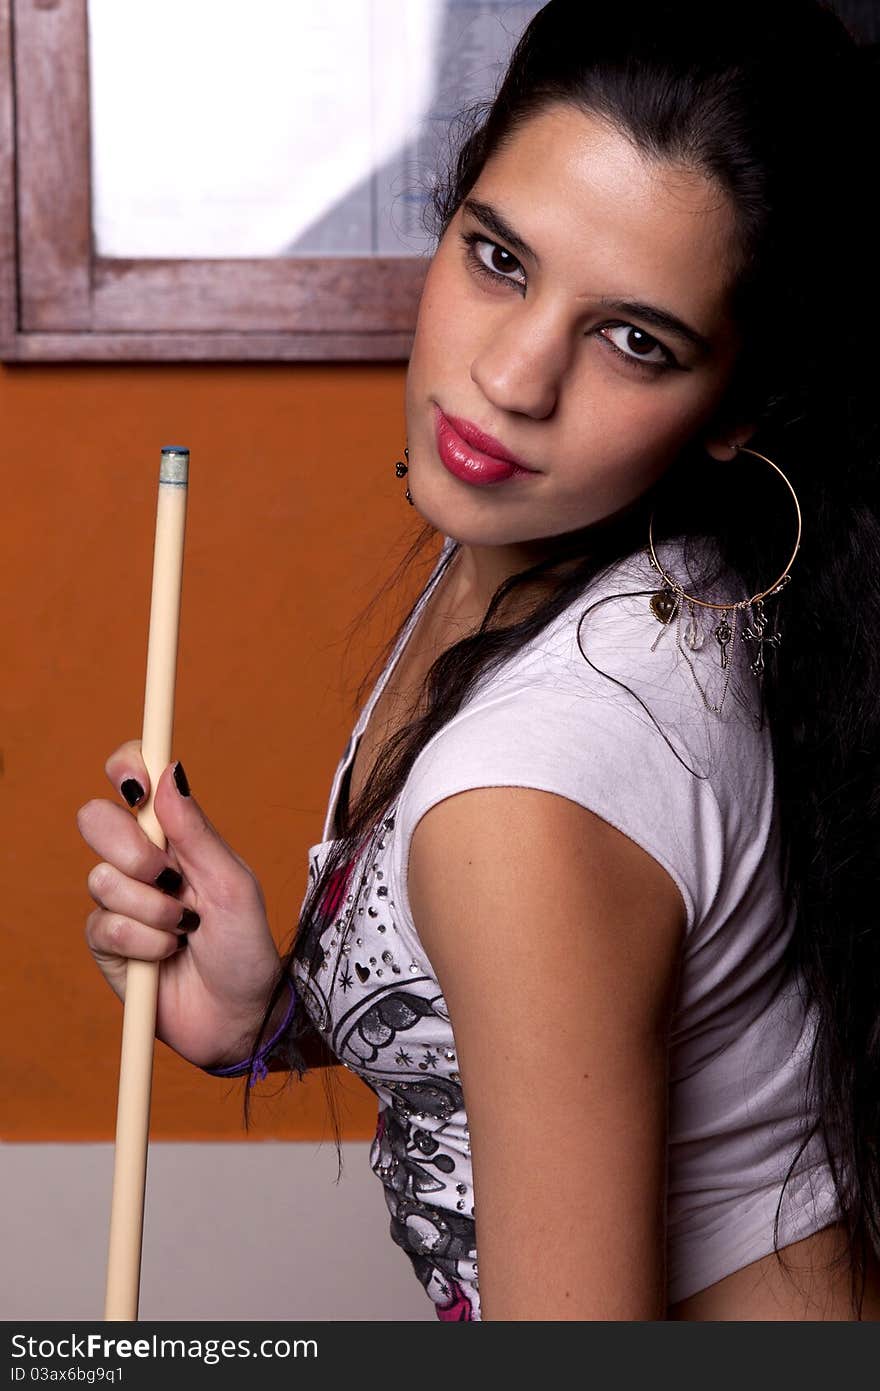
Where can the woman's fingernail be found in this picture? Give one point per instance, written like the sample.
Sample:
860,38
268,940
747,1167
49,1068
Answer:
189,920
169,881
180,780
132,791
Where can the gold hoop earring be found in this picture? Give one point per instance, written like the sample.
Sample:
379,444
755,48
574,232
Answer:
668,600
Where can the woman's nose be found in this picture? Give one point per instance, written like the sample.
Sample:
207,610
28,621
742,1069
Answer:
521,367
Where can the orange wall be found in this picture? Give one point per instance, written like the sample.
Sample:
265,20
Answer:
295,518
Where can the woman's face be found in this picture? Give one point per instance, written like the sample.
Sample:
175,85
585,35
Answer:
513,338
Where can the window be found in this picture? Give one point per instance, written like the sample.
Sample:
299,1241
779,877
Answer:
227,179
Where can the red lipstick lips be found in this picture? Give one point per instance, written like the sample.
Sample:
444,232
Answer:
472,455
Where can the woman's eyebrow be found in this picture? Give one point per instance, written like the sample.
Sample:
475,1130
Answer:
650,313
492,219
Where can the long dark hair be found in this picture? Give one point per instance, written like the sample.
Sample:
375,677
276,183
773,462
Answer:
776,104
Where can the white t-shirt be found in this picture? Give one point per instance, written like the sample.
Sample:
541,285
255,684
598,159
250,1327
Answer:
740,1037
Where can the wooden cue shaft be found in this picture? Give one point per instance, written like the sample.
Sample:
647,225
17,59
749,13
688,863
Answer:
142,977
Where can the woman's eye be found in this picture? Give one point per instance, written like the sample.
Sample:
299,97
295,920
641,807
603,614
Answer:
496,264
636,345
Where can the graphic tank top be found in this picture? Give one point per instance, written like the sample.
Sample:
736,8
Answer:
739,1045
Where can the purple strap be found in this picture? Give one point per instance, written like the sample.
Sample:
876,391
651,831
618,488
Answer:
256,1065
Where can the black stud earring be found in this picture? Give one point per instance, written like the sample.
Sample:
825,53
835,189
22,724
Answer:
401,468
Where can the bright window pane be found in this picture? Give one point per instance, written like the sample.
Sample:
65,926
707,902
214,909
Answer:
280,127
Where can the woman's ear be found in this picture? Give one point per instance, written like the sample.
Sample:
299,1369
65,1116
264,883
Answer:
723,441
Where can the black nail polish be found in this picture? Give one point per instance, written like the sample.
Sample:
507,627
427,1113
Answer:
180,780
169,881
189,920
132,791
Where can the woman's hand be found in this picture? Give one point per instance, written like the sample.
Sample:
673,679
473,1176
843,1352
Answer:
212,992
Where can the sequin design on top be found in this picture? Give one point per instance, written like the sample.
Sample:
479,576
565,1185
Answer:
381,1011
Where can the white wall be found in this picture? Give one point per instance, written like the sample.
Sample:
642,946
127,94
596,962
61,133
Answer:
251,1230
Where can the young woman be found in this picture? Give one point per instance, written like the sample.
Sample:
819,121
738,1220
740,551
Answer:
593,908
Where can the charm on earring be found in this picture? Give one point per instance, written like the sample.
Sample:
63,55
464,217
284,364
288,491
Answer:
757,635
692,634
663,605
723,634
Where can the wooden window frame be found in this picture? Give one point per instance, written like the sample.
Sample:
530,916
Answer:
60,301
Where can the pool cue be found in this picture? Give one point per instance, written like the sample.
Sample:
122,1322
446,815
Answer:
142,977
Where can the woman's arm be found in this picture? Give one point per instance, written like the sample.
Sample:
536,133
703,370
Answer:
557,944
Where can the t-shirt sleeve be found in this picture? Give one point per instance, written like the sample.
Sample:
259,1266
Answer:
601,751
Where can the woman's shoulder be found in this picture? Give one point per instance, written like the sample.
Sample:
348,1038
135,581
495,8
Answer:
619,633
617,648
664,641
610,708
681,668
